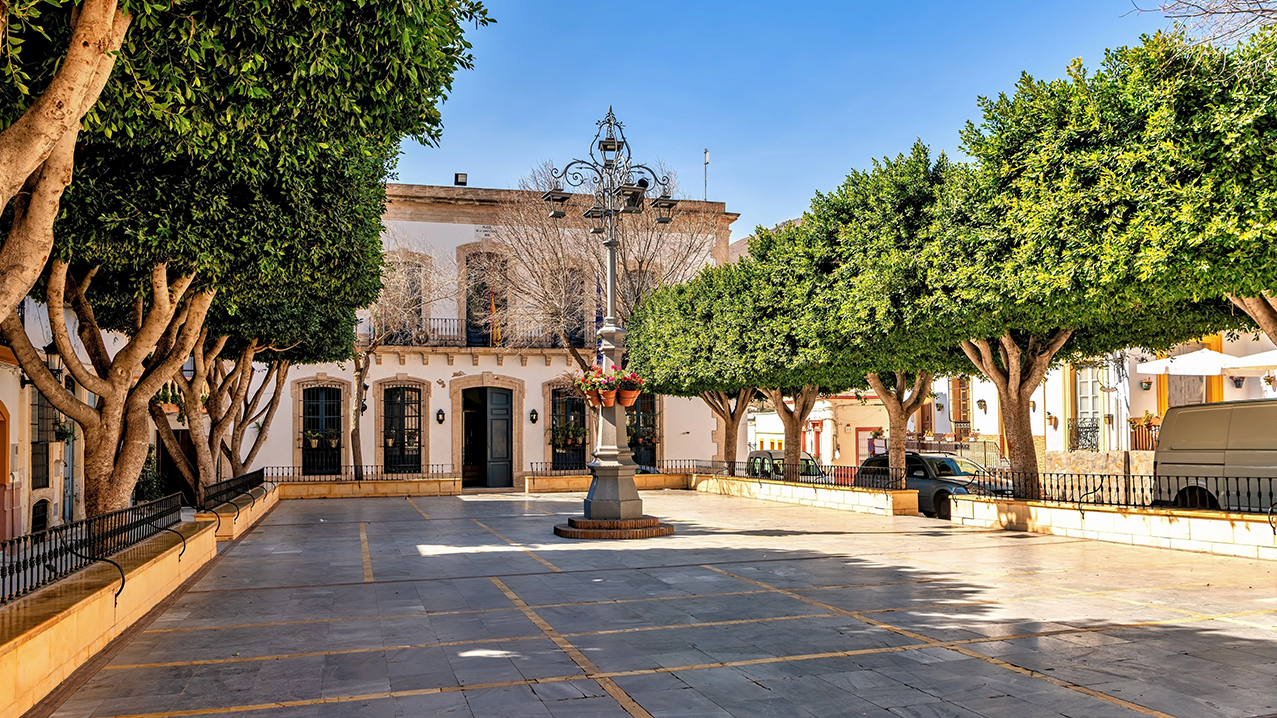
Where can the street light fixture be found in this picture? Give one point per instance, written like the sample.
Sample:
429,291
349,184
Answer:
613,508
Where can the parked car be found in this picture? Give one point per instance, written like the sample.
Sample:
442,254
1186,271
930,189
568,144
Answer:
771,465
1221,455
936,477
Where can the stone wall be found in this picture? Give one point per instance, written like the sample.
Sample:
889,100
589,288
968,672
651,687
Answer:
842,498
1121,463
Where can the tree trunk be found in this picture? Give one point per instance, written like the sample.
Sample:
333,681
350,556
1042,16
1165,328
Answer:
1261,309
1017,373
899,408
169,440
247,414
357,413
721,403
793,419
37,151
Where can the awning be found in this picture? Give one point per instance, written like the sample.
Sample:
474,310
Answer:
1253,365
1203,362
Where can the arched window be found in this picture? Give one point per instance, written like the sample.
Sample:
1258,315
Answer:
485,299
39,516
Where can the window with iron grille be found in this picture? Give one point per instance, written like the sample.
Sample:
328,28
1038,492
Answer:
568,437
644,430
401,429
321,430
44,424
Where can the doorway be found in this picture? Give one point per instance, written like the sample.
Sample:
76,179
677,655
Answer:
487,451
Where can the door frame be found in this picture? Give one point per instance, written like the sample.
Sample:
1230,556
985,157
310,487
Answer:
517,393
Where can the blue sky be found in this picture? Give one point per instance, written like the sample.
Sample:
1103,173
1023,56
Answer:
787,101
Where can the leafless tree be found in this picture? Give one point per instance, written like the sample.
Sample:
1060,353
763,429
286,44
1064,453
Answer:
1219,22
555,269
411,283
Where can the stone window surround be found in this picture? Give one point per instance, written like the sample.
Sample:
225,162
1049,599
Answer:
296,389
591,421
379,388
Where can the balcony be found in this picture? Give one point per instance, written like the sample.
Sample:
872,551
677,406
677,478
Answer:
451,332
1084,434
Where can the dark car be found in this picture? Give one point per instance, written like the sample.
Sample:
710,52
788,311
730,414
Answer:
771,465
936,477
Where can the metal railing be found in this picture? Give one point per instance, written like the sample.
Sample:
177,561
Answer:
450,332
548,468
367,472
1207,493
224,491
36,560
1084,434
808,472
985,453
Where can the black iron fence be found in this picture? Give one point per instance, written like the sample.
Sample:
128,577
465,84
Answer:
808,472
223,491
39,559
351,472
551,468
1209,493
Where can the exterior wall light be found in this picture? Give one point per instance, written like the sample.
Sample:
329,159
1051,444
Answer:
1033,405
1146,384
532,416
982,405
439,417
1238,381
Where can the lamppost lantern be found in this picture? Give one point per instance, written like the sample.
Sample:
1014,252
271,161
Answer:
620,187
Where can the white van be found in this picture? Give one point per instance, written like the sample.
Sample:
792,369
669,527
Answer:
1220,455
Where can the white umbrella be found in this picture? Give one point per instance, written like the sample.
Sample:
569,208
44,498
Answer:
1253,365
1203,362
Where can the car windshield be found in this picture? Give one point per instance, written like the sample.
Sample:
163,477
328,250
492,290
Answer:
943,466
806,467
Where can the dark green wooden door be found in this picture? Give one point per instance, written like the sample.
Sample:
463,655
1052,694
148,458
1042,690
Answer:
500,422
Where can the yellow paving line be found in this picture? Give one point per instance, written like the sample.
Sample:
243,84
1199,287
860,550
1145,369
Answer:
934,643
540,560
363,545
646,599
424,515
608,685
467,642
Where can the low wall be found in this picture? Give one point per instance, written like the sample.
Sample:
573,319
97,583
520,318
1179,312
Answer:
321,489
1235,534
843,498
1119,463
234,518
46,635
557,484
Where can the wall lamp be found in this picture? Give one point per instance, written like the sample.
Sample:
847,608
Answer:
439,416
982,405
533,416
1238,381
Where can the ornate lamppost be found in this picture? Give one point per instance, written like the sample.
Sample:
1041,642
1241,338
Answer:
620,187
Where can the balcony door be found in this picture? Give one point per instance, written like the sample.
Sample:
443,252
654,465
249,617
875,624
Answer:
1089,400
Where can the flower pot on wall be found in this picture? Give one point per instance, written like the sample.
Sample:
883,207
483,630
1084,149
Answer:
627,397
594,398
314,443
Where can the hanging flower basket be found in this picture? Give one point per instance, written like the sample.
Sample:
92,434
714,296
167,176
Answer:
608,397
593,396
390,441
627,397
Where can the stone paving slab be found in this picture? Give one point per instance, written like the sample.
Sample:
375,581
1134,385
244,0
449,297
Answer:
470,606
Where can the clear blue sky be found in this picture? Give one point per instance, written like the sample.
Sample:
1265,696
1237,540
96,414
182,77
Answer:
787,96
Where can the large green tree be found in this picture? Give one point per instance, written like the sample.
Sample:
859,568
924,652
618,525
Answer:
262,85
1026,263
693,340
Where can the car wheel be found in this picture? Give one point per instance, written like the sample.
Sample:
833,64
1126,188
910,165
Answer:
941,502
1195,497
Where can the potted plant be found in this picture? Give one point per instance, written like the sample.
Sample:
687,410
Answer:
588,383
64,430
333,439
410,437
629,386
390,439
607,384
312,438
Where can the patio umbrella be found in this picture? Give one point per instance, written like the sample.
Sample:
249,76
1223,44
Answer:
1253,365
1203,362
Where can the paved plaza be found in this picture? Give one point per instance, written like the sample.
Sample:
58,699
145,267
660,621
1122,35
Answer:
470,606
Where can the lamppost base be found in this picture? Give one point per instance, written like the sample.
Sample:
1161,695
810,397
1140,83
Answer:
579,527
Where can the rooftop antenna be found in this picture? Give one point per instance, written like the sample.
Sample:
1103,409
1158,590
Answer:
705,195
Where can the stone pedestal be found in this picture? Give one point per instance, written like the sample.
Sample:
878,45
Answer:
579,527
